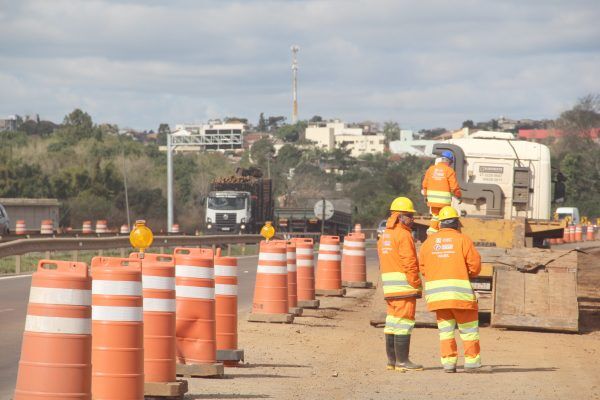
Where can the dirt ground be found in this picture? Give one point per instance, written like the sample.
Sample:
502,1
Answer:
335,354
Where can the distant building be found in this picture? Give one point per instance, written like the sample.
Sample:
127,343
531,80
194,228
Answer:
11,123
212,136
543,134
336,134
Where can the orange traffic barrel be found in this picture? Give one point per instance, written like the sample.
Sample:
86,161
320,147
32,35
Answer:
292,279
117,329
195,291
329,269
271,288
589,233
226,310
354,262
86,227
305,272
175,228
47,227
357,228
56,351
578,233
567,234
101,226
20,227
124,229
158,286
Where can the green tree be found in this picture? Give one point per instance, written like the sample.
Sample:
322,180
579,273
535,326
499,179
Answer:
391,130
262,123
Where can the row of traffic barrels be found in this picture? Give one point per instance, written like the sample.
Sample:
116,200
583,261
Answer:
47,227
105,331
577,233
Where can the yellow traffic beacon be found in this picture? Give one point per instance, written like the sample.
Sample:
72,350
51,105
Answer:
267,231
141,237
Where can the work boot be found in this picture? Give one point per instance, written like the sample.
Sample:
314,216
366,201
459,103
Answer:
482,369
402,347
391,353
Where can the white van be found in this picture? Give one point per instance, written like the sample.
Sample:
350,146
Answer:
571,212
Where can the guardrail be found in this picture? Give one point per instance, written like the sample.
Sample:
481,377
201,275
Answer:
20,247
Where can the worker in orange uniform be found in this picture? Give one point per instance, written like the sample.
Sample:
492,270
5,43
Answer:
439,185
447,259
401,283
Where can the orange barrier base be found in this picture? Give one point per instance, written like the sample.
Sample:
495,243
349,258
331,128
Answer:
359,285
273,318
215,370
309,303
296,311
230,358
330,292
165,389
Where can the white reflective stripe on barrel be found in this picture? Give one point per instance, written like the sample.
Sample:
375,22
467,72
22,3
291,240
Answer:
304,252
270,269
228,290
305,263
291,255
272,256
72,297
190,271
291,267
225,270
354,245
159,305
44,324
195,292
113,313
158,282
329,247
117,288
354,252
329,257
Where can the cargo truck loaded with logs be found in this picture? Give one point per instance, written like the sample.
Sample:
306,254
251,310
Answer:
240,203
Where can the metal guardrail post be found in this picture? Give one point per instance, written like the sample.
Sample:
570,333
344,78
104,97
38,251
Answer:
17,264
75,255
228,250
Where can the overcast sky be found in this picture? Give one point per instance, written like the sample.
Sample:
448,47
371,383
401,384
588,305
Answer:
422,63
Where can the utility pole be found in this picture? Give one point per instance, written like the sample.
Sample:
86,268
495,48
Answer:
169,182
295,50
323,219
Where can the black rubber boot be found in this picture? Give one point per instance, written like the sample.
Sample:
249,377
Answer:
402,347
391,353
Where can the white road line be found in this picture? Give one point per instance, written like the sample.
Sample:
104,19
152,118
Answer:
15,277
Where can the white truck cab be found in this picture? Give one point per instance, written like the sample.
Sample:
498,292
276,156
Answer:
571,212
228,211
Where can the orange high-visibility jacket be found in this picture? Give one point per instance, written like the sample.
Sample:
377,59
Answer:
398,262
439,184
446,260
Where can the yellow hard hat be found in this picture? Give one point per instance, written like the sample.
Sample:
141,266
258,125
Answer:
402,204
447,213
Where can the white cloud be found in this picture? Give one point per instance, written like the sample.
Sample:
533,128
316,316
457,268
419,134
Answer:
425,64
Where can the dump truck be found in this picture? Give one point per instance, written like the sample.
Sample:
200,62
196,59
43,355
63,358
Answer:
240,203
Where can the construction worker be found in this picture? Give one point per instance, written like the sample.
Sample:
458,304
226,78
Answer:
401,283
439,185
447,259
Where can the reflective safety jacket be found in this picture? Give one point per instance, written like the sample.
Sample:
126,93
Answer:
446,260
439,184
398,261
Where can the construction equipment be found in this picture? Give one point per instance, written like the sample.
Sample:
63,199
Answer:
239,203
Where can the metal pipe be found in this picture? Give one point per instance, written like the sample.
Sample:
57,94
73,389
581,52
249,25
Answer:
169,183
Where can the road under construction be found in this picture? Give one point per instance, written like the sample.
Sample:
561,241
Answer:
334,352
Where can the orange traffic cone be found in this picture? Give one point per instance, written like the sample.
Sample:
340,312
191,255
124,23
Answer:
329,269
47,227
196,326
117,329
292,280
271,292
357,228
56,350
589,233
226,310
101,226
354,262
578,233
305,266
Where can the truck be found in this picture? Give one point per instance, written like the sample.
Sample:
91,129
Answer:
570,213
240,203
506,190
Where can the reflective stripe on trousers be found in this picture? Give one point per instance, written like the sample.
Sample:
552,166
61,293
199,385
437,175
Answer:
468,327
400,319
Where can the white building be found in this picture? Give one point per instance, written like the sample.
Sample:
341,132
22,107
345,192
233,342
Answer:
336,134
212,136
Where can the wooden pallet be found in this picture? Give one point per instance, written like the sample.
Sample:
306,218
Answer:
358,285
213,370
309,303
165,390
296,311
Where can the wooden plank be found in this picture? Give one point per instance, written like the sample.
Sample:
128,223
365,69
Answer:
331,292
214,370
165,389
359,285
271,318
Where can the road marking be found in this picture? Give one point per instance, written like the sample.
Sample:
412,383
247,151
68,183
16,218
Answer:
6,310
15,277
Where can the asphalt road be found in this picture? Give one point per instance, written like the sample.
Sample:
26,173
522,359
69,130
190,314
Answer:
14,295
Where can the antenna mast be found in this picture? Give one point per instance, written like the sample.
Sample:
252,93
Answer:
295,49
